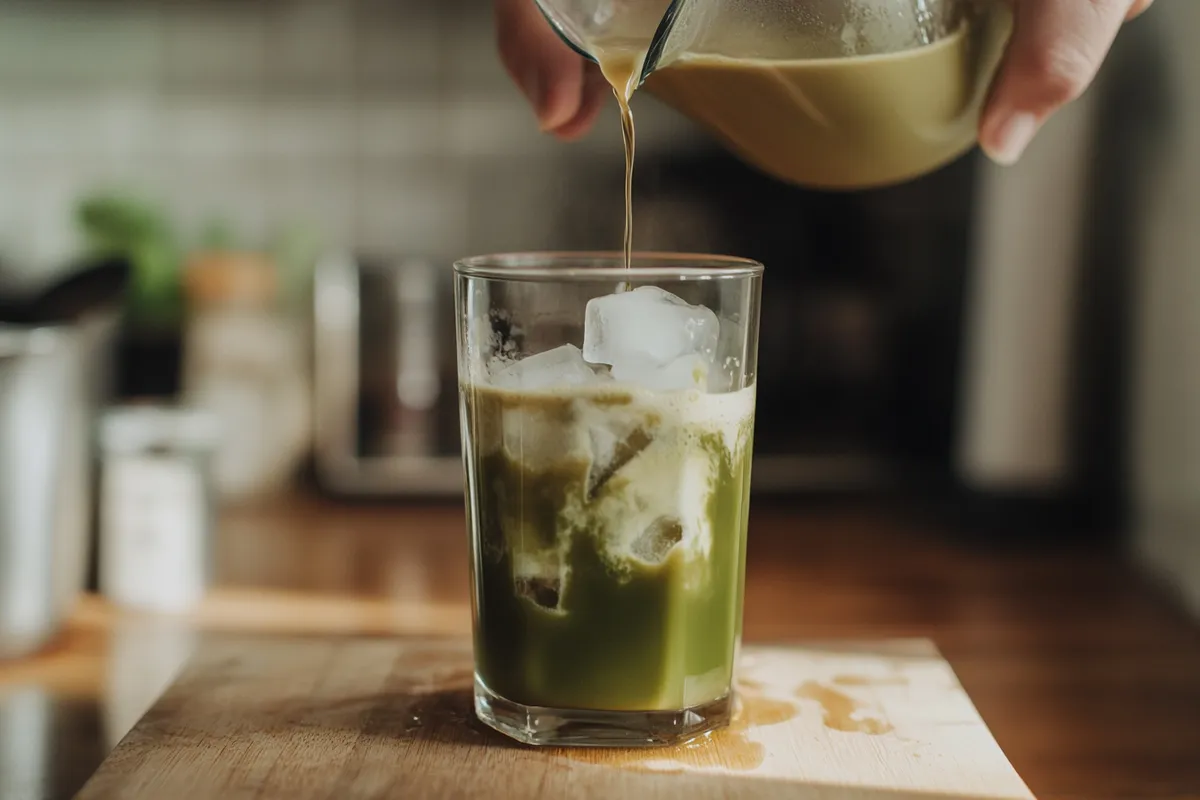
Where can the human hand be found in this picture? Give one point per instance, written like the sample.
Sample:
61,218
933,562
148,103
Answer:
1056,49
566,90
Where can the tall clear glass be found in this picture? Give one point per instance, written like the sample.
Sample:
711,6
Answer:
607,420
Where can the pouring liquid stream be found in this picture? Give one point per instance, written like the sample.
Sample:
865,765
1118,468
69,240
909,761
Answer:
621,65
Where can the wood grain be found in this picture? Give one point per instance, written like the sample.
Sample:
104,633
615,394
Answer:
1087,676
357,719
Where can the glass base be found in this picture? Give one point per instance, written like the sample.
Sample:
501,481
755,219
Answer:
568,727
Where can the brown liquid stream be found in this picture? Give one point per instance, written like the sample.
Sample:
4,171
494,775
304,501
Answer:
621,67
628,136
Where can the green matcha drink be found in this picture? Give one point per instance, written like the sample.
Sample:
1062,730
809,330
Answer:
611,544
607,427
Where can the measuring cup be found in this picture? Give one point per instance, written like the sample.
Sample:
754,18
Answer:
824,93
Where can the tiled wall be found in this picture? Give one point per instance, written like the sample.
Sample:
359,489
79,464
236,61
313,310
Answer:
387,124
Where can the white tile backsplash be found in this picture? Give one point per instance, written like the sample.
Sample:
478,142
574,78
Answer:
33,126
395,49
210,127
314,194
80,43
311,43
317,129
492,125
40,229
388,127
387,124
419,209
215,44
200,194
471,60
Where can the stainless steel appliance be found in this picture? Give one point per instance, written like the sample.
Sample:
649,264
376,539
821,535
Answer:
859,329
55,360
43,484
50,382
386,398
385,378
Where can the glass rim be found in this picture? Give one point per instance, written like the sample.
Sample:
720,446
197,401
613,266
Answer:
583,265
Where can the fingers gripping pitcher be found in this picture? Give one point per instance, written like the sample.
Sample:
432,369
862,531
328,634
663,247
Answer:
830,94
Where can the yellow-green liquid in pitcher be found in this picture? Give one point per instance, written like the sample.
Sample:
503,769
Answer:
843,122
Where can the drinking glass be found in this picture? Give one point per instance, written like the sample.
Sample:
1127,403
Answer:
607,489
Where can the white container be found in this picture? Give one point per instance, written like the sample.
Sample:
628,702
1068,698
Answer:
156,507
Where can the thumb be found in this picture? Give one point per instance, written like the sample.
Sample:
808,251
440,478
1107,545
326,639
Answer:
1056,49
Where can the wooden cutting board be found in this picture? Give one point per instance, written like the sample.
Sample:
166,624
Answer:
371,718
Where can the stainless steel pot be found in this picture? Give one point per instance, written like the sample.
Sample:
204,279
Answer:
50,381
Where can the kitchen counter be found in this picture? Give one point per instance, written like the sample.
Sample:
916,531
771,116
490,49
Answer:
1089,679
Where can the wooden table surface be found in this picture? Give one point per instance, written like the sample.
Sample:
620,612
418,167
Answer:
314,718
1088,678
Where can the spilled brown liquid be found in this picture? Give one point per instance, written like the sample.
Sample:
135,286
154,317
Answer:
442,709
731,748
841,712
727,748
863,680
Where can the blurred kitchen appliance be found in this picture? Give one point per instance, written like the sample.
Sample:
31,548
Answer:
385,389
1075,397
43,484
54,372
1023,374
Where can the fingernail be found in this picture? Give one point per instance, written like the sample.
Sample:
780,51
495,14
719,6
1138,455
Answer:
1014,136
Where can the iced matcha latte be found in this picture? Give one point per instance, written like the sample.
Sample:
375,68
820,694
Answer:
608,488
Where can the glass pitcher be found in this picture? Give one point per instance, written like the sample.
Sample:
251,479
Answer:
835,94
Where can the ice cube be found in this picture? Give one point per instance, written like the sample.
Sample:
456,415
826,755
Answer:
686,372
560,367
655,543
647,326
